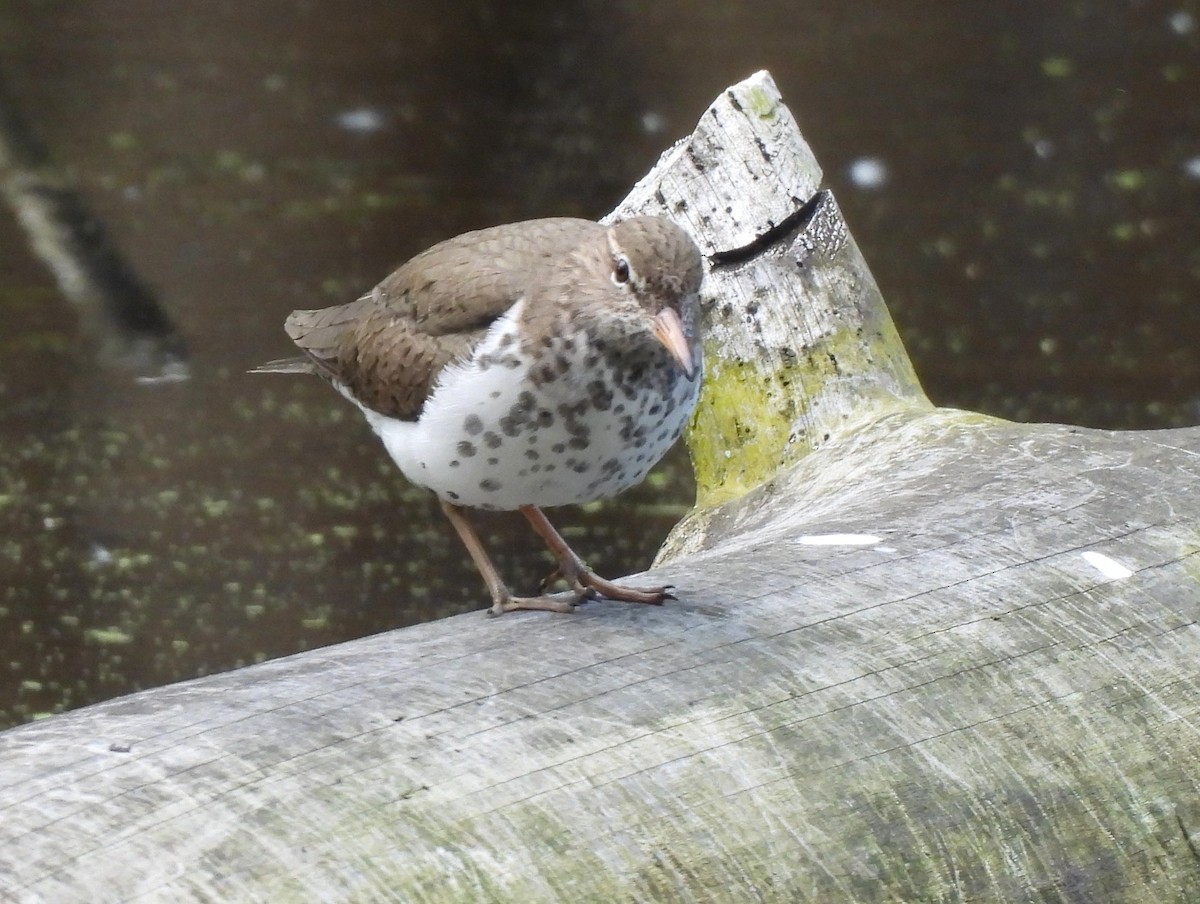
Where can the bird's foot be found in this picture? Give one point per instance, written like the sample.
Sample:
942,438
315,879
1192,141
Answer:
539,603
584,582
587,585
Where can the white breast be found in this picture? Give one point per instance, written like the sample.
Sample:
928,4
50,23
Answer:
491,437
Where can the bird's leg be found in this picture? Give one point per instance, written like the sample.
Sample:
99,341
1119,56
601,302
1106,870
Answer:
584,581
502,599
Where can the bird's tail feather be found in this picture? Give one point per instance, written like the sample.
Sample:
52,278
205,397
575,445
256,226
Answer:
285,366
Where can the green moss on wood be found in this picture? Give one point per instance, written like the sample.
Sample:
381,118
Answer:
754,419
741,428
761,104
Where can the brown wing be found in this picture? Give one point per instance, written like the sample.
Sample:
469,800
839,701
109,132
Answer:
384,360
389,347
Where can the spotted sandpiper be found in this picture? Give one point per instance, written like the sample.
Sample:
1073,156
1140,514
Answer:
543,363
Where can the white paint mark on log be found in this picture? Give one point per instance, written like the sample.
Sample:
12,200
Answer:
1109,567
839,540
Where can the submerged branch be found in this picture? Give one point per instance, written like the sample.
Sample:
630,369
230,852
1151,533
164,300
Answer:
134,331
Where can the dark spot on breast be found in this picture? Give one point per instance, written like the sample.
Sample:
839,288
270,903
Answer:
599,394
489,484
492,440
466,449
558,448
578,442
472,425
570,412
532,454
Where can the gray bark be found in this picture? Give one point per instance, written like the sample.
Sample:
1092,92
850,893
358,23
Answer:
925,656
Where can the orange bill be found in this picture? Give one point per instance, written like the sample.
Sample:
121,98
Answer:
668,329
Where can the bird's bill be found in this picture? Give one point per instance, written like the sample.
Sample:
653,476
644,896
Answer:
668,329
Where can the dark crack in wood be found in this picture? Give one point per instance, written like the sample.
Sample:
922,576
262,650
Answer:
780,233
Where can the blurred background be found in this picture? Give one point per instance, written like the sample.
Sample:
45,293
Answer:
1024,180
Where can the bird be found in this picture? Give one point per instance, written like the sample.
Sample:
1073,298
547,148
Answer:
524,366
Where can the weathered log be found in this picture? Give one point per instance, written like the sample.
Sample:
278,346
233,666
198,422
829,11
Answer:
922,655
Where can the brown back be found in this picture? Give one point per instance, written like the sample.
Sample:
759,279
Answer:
389,346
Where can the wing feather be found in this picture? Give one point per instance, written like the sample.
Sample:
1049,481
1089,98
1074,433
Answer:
389,347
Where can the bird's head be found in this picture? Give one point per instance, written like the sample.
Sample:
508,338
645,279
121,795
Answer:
655,270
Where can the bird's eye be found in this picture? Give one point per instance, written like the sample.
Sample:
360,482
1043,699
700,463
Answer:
621,271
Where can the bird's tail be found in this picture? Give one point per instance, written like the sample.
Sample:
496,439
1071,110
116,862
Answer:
285,366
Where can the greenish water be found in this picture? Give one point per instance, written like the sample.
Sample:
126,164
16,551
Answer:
1024,181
